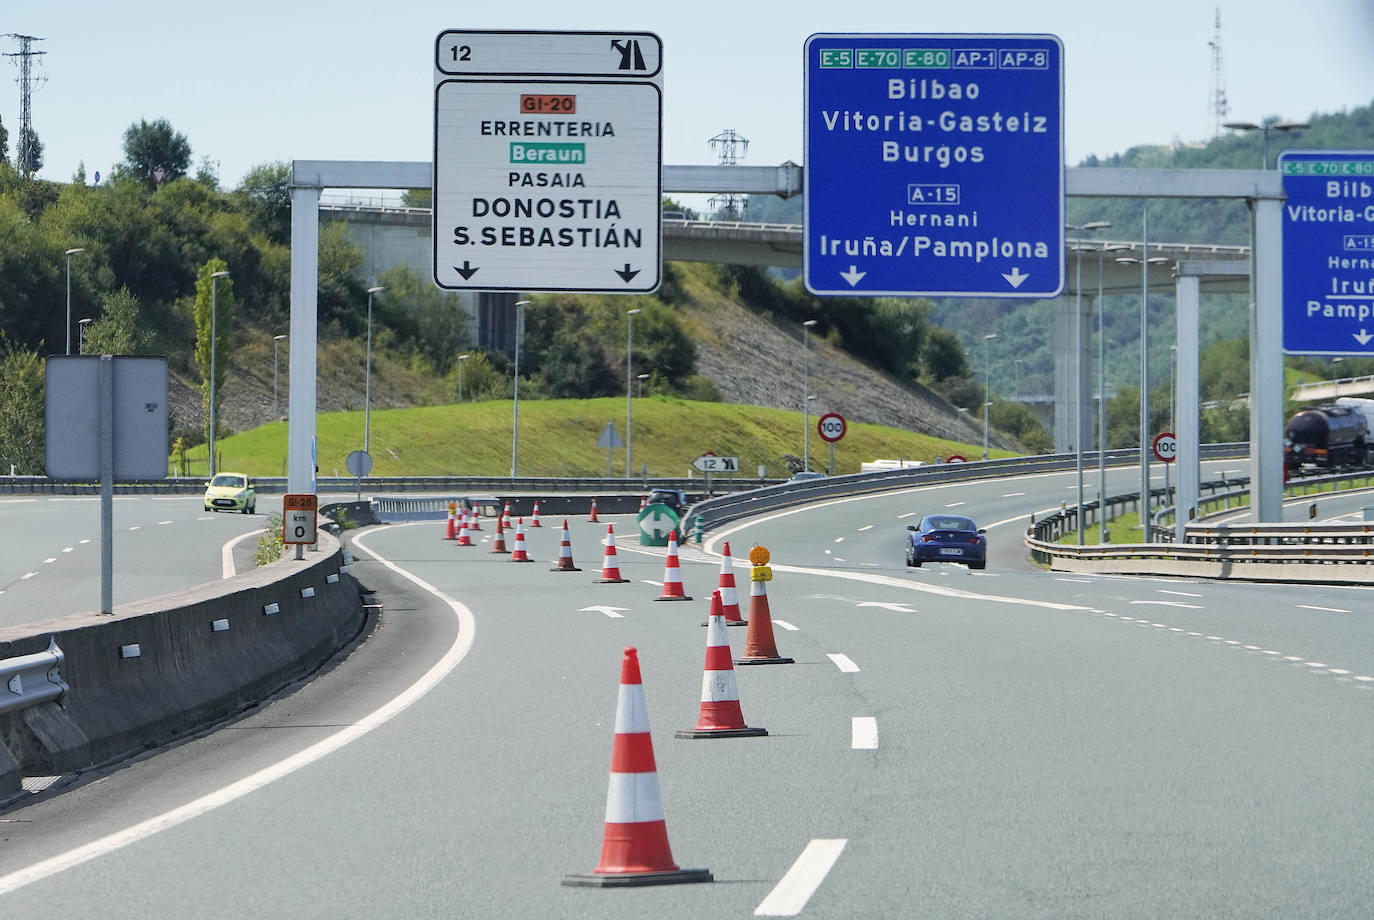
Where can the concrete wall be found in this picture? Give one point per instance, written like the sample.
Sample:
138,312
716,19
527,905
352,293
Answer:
188,674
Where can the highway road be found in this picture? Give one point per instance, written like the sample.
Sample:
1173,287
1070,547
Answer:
1008,743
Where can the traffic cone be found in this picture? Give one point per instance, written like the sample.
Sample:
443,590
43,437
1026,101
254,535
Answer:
505,516
672,575
475,515
634,845
498,542
610,565
520,555
534,516
759,645
464,538
592,517
450,530
720,715
728,598
643,502
565,560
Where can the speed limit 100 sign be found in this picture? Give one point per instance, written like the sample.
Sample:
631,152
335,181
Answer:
831,426
1166,446
298,518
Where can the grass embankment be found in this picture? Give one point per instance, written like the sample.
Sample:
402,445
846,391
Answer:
559,438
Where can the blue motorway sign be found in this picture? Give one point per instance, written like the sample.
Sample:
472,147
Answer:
934,165
1328,252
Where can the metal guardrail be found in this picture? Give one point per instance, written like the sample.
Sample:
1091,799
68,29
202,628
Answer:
31,679
191,485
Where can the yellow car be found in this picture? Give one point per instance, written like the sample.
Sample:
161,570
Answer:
231,492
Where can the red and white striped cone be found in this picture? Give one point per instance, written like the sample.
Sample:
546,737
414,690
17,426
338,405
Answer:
505,516
475,518
520,555
643,502
565,560
498,542
634,844
729,600
759,645
592,516
464,538
672,575
610,564
534,516
720,715
450,531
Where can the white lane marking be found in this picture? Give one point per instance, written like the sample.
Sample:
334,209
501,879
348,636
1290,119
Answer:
1012,494
839,539
27,575
827,552
19,501
136,527
1167,604
793,890
843,662
1322,609
50,560
955,504
67,549
82,541
1341,671
163,523
785,625
863,733
914,513
226,553
650,581
838,559
462,644
865,527
1076,581
1361,677
608,611
1177,593
899,608
1315,664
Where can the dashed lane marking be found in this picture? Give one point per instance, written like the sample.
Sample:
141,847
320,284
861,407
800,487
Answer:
1322,609
863,733
793,890
843,662
785,625
865,527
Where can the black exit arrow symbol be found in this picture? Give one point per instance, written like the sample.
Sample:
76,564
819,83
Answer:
467,271
626,274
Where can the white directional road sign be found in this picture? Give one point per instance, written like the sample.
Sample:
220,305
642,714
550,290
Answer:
710,463
548,161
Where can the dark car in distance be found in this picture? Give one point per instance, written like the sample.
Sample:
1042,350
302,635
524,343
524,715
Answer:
946,538
673,498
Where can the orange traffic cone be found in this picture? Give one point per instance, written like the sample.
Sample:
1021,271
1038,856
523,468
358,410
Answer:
720,715
634,845
610,565
565,560
449,531
534,516
520,555
498,542
729,600
592,517
475,515
505,516
643,502
672,575
464,538
759,645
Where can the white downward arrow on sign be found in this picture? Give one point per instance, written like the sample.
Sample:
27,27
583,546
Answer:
853,276
609,611
900,608
1364,337
1015,277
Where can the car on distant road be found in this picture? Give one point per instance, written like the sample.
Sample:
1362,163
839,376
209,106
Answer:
673,498
231,492
806,475
946,538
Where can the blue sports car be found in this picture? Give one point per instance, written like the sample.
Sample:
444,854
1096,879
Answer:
946,538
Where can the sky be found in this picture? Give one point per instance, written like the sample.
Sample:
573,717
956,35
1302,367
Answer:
253,82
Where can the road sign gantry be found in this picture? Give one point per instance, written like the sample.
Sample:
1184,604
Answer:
934,165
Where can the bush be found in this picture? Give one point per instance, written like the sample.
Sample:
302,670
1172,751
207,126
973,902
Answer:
270,543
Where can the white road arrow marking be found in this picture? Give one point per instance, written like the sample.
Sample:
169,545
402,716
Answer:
853,276
1015,277
900,608
1363,337
609,611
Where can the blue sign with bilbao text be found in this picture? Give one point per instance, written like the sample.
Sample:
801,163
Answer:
934,165
1328,251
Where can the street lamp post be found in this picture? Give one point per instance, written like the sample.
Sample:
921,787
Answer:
641,378
806,391
70,253
81,341
520,306
367,376
987,386
629,378
276,406
1102,394
1079,249
462,363
214,304
1144,264
1284,126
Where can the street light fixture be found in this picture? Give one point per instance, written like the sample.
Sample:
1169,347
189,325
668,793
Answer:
629,378
641,378
1284,126
987,386
81,341
367,376
462,363
70,253
1079,249
276,410
214,304
520,306
806,398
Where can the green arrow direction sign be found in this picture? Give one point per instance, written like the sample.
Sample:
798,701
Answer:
656,523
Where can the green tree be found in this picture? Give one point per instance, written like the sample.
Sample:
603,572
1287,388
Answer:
4,141
149,145
28,155
219,294
118,332
264,196
943,356
427,321
22,443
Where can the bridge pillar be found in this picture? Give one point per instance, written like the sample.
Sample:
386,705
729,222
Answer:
1066,377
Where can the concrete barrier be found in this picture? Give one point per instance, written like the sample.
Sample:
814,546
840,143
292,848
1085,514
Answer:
159,669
